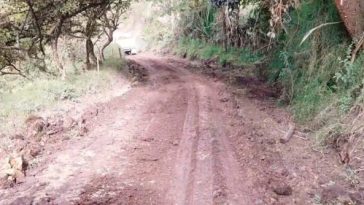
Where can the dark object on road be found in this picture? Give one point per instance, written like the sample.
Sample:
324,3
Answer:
130,51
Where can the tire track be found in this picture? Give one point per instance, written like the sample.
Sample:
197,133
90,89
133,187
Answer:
186,152
200,188
167,141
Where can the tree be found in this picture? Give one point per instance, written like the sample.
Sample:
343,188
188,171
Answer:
229,15
110,21
352,13
27,26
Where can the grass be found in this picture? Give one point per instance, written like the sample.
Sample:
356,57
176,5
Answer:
307,72
319,82
198,49
20,98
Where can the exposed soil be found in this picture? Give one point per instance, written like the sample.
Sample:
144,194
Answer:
182,138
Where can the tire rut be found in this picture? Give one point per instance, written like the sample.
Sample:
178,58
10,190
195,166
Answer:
165,142
206,168
186,152
199,190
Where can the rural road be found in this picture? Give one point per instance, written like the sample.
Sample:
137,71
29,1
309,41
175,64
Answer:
167,141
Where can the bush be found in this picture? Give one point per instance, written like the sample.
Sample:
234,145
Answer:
194,48
319,80
307,72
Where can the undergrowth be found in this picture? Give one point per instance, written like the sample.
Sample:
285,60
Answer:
321,86
307,72
21,97
199,49
319,83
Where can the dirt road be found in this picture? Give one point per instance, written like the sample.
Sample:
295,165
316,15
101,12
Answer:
179,138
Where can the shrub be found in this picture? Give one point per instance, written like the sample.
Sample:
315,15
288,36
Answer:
194,48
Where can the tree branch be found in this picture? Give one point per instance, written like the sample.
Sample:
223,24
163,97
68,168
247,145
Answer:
39,29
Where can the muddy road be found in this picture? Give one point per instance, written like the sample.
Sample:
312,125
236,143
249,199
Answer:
178,138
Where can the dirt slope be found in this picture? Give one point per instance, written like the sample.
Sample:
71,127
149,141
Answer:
179,138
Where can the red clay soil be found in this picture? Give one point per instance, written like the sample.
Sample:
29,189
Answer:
181,138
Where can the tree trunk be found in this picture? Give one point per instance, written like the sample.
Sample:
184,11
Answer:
57,60
233,24
224,27
352,13
90,54
120,53
108,42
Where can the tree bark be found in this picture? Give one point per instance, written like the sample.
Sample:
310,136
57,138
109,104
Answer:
352,13
224,27
233,17
108,42
90,54
120,53
57,59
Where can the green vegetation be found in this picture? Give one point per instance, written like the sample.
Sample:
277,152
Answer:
307,72
34,95
318,79
19,98
320,83
50,52
194,48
